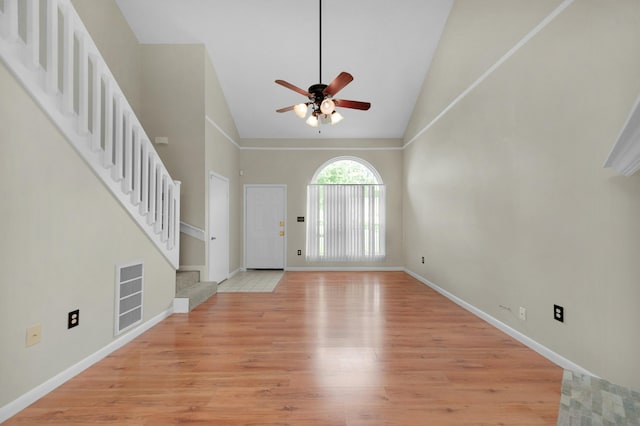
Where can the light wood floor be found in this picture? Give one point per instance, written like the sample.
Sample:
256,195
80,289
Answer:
324,349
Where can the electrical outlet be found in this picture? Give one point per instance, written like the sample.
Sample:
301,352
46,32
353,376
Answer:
523,313
73,319
299,252
422,259
34,334
558,313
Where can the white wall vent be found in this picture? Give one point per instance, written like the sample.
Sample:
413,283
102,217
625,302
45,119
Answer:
129,288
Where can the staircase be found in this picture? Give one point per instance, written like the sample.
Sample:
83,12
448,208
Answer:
48,49
191,292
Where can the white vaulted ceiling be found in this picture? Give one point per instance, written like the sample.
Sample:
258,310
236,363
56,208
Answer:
386,45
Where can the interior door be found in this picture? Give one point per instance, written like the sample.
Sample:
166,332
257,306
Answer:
218,228
264,245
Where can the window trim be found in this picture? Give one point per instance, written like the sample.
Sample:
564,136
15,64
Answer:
363,162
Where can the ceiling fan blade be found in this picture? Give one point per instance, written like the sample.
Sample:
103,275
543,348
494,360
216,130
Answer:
285,109
292,87
338,84
352,104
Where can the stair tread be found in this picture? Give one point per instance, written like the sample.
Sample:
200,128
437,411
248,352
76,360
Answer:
186,278
203,286
189,286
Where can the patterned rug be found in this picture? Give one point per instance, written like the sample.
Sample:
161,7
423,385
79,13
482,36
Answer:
588,401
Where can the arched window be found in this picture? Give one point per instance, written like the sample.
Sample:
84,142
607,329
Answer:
345,212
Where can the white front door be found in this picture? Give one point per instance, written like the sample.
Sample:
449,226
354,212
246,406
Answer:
218,228
264,245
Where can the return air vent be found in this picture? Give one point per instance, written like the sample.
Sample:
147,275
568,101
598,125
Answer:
129,287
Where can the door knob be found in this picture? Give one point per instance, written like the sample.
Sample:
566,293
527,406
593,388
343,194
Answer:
213,238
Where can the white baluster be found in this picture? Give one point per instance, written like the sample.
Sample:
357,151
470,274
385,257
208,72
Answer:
144,181
170,213
67,61
137,169
116,171
97,104
52,46
11,20
165,208
33,33
176,214
159,193
151,216
83,86
127,182
108,124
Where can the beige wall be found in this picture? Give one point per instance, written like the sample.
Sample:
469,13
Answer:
491,30
505,195
222,156
314,143
182,100
223,159
117,44
63,233
216,104
295,168
165,85
173,106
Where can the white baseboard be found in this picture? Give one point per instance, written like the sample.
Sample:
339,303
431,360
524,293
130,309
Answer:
345,268
233,274
19,404
525,340
181,305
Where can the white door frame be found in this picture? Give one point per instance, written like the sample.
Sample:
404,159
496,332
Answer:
244,220
209,231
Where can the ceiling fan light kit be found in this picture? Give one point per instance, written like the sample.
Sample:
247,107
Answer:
322,103
313,120
336,117
327,106
301,110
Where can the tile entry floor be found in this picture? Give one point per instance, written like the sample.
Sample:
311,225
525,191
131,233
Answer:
588,401
253,281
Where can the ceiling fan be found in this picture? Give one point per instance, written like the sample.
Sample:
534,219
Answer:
322,103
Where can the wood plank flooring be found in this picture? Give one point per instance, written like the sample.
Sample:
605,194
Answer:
334,348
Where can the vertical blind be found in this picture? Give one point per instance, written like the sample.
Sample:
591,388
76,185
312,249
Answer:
345,223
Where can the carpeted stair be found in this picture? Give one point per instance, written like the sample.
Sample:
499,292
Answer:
190,288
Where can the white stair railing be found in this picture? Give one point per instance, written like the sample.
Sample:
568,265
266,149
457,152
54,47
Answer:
64,72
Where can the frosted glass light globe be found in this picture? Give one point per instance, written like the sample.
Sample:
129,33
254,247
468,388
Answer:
312,121
336,117
300,110
327,106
